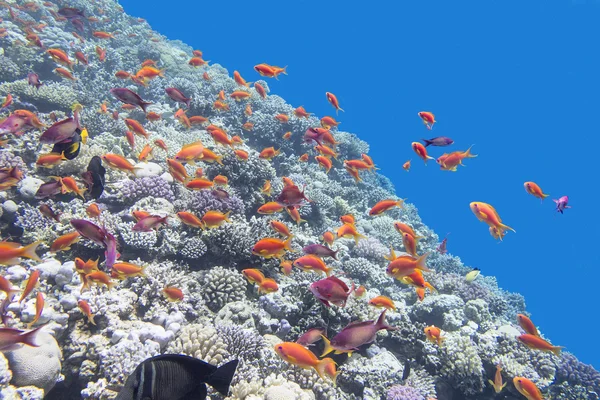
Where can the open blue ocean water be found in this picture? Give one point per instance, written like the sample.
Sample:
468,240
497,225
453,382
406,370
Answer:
518,80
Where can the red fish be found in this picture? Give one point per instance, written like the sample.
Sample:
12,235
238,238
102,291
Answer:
334,102
421,151
428,119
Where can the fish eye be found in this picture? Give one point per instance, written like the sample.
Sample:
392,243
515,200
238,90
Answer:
280,347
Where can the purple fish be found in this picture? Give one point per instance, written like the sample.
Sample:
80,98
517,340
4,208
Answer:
11,339
129,97
320,251
90,231
291,196
34,80
312,134
177,95
149,223
331,290
442,247
440,141
4,308
49,189
562,204
220,193
78,24
311,336
13,124
69,12
61,131
355,335
111,253
47,211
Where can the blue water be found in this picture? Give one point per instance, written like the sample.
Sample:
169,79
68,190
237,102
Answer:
519,80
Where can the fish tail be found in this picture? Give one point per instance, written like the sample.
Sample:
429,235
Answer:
430,287
328,271
29,251
226,217
427,142
145,104
506,228
468,153
381,324
28,338
400,203
187,102
556,350
334,256
322,365
221,378
421,263
287,243
327,349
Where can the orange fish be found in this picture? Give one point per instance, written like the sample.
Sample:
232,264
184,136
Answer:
354,173
221,106
268,285
49,160
404,228
65,241
286,267
173,294
266,189
348,219
280,227
385,205
270,71
383,301
130,139
527,325
537,343
220,180
272,247
70,185
220,137
282,118
239,80
199,184
348,231
326,151
268,153
197,53
451,161
253,275
248,110
402,266
210,156
486,213
146,153
527,388
103,35
214,219
287,182
329,122
410,244
303,157
533,189
421,151
270,208
93,211
189,219
122,75
260,90
248,126
287,135
61,57
39,308
100,278
241,154
324,162
139,215
148,63
177,170
123,270
101,53
300,356
434,334
334,102
300,112
7,101
360,291
118,162
205,76
357,165
312,263
197,119
86,310
30,285
82,58
197,62
497,382
294,214
428,119
190,152
150,72
406,165
136,127
152,116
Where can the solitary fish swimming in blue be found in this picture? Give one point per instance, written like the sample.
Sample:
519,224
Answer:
176,377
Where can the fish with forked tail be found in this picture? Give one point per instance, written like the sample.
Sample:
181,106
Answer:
176,377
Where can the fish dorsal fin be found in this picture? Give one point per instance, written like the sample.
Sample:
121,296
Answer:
339,282
355,324
11,245
187,146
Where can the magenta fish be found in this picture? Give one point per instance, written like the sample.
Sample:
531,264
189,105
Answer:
49,189
89,231
220,194
111,254
69,12
34,80
62,131
150,222
178,96
313,134
440,141
320,251
355,335
10,338
311,336
129,97
291,196
442,247
331,290
13,124
562,204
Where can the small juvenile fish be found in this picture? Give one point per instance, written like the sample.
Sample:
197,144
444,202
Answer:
562,204
86,310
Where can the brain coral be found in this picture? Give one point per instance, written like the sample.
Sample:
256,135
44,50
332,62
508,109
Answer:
222,286
200,341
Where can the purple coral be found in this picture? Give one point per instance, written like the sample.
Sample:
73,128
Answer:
401,392
204,200
9,160
150,186
574,372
